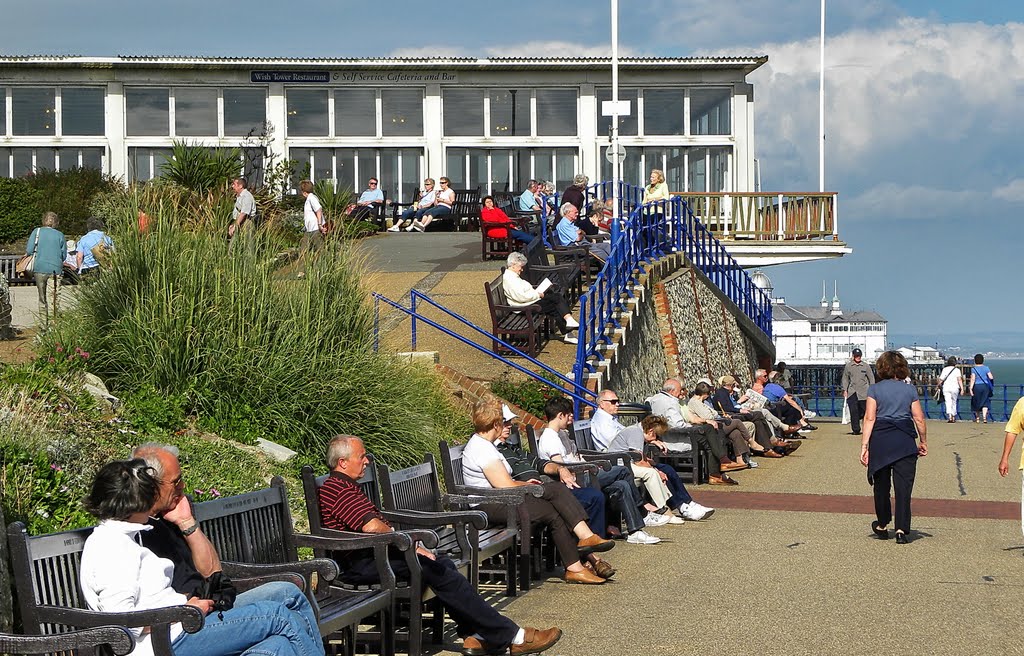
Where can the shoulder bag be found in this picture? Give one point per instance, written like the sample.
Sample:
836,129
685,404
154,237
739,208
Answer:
938,389
26,264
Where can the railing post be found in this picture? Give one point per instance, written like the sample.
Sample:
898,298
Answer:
782,220
726,215
835,217
412,305
376,324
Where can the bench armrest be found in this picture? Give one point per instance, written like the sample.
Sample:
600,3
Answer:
430,519
322,567
158,619
332,540
581,467
590,456
117,638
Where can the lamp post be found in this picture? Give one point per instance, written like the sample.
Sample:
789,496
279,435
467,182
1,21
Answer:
515,159
821,103
616,164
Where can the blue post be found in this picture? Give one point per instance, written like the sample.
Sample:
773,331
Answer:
376,325
412,305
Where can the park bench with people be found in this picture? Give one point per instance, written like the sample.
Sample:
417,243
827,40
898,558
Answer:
526,327
567,274
465,214
254,532
446,532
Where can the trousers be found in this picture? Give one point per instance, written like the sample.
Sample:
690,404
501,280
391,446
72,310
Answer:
675,486
901,473
593,504
557,508
706,436
622,495
857,408
471,613
263,627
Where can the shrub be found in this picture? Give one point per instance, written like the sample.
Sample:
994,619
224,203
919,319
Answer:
69,194
250,353
526,392
19,209
201,169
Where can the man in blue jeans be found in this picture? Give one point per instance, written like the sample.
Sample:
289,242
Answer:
177,536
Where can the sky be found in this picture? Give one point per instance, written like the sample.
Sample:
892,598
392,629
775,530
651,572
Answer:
923,136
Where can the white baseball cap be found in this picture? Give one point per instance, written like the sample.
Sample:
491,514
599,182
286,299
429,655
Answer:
507,414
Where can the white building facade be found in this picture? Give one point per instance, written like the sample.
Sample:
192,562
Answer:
488,123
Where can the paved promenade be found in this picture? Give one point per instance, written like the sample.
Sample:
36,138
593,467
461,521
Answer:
788,566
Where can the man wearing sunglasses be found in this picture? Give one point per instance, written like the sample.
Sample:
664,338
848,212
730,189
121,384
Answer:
368,201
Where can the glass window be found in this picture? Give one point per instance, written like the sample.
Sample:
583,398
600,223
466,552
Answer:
147,113
556,112
410,179
366,168
22,162
544,164
146,163
3,116
33,111
307,113
86,158
719,169
698,178
92,158
632,169
477,172
346,167
510,112
455,168
195,112
322,167
81,110
355,113
402,112
5,161
499,171
46,159
663,111
675,169
245,112
463,113
709,111
628,125
389,173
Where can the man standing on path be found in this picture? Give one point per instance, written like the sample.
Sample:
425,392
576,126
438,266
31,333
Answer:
857,377
1013,429
245,208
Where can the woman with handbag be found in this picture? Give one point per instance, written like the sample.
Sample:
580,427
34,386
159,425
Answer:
118,574
982,385
951,382
44,258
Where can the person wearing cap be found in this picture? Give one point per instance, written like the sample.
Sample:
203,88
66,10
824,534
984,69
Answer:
857,377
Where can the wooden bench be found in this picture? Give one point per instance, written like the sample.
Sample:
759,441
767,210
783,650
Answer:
521,326
7,267
45,570
397,208
254,531
465,214
499,247
88,641
517,519
422,526
567,275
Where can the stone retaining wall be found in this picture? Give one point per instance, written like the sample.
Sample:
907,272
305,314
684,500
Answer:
640,368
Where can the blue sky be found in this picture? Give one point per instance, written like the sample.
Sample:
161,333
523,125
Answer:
924,135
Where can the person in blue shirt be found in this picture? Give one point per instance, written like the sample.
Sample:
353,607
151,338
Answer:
87,246
781,404
981,386
528,199
570,235
362,208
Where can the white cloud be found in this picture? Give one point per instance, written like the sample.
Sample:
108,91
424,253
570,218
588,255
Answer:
1012,192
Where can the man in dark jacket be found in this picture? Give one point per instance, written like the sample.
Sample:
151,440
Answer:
857,376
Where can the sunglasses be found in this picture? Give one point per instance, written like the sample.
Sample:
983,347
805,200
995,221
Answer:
372,184
612,401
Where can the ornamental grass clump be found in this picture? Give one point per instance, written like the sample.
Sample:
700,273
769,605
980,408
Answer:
250,351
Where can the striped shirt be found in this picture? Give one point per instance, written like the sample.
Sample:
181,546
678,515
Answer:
343,506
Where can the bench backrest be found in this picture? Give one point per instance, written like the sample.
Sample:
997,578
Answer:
495,291
412,488
253,528
466,205
451,465
536,254
581,435
48,566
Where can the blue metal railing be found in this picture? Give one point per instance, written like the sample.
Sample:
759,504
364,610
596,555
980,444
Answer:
570,388
827,401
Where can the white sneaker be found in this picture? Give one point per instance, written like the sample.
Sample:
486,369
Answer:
569,339
752,463
655,519
396,228
696,512
572,323
642,537
418,226
410,227
675,519
810,414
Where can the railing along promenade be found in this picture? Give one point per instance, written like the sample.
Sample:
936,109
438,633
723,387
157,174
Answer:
828,401
767,216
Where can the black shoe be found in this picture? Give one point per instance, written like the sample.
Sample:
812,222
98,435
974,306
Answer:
811,427
855,433
901,538
880,533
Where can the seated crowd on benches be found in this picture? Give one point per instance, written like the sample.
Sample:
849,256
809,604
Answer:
149,551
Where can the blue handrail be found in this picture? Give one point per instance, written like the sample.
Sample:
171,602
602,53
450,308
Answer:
416,316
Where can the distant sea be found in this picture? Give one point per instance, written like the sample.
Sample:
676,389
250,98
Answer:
1007,372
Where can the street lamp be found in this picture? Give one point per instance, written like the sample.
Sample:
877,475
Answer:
821,104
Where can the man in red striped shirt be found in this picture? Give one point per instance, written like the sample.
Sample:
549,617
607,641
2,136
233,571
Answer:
344,507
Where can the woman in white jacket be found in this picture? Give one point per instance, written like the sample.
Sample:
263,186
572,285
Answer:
521,293
952,381
118,574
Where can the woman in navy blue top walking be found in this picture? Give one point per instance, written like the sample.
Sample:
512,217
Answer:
893,424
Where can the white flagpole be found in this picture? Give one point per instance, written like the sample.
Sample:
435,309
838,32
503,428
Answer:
821,104
616,165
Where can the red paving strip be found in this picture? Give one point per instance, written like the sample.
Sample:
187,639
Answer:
860,505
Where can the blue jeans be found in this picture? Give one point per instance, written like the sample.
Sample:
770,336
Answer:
261,627
592,501
285,593
675,485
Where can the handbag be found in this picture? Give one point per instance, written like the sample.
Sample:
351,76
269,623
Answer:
937,395
219,589
26,264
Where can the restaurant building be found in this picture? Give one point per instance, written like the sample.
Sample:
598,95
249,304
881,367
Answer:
488,123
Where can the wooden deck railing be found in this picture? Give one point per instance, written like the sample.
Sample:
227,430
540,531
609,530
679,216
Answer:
767,216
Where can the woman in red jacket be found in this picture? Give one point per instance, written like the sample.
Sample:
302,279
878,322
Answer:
498,225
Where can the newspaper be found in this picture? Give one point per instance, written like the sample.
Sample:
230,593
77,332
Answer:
543,286
755,401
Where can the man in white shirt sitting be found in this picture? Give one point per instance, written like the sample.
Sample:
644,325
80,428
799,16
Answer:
617,483
661,481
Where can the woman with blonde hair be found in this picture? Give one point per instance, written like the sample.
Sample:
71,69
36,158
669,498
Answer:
657,190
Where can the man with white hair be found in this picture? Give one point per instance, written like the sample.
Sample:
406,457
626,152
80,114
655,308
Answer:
568,233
